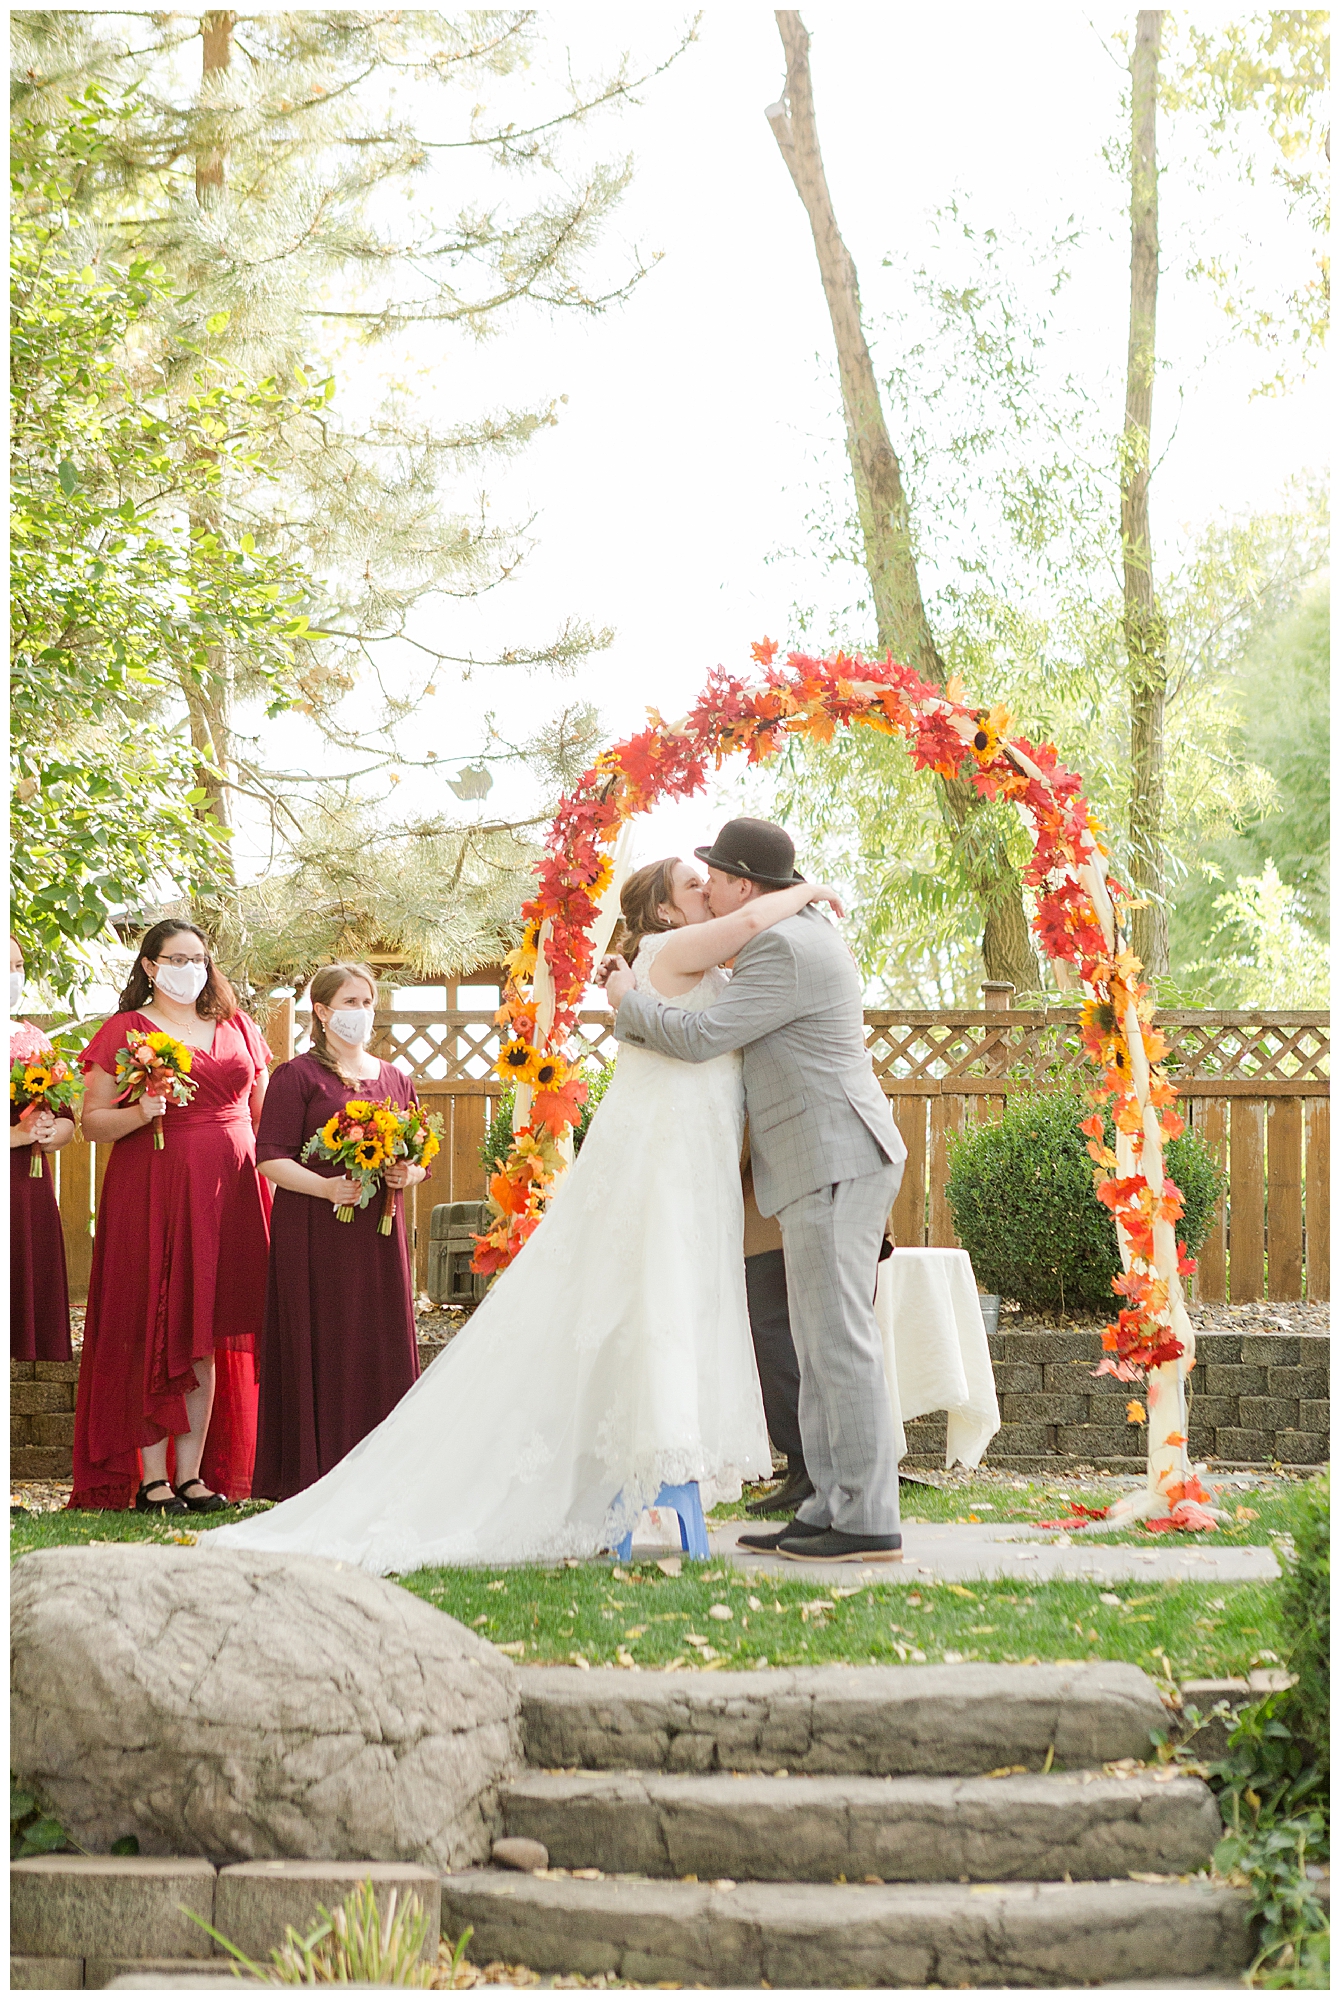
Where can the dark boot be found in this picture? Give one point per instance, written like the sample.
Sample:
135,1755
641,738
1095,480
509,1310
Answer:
794,1490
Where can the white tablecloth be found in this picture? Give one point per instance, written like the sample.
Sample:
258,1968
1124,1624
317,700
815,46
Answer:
935,1351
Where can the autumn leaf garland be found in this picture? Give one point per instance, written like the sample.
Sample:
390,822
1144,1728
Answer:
815,697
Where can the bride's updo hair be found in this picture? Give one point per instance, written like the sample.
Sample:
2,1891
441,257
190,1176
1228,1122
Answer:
640,902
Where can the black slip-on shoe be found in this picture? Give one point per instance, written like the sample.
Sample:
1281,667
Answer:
766,1542
832,1545
793,1492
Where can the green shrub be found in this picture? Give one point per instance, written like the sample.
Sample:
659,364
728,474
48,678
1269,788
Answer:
1274,1781
1021,1191
1305,1613
498,1138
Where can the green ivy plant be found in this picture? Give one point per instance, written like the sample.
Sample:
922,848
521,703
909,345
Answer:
1021,1192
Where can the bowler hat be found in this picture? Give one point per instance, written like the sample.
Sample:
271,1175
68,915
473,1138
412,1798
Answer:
756,849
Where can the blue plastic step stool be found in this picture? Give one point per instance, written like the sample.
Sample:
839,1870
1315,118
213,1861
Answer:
686,1502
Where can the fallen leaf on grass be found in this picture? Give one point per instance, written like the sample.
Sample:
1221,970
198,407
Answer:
670,1566
1009,1771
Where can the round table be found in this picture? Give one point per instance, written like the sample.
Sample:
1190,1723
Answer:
935,1349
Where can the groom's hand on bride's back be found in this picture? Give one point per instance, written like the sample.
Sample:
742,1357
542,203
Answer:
616,979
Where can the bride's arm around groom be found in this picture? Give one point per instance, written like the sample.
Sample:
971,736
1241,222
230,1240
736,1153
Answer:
827,1162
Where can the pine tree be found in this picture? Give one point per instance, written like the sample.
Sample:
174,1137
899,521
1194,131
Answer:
279,167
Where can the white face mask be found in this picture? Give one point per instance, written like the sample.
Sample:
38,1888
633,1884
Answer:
182,982
15,989
351,1024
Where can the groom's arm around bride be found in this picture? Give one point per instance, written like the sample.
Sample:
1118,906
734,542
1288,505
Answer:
827,1160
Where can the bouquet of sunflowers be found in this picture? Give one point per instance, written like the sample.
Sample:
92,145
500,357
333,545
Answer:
40,1080
417,1137
363,1138
154,1065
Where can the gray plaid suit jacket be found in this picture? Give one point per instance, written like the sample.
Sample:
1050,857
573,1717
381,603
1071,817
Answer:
816,1113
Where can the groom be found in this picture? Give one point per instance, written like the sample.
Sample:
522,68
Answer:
827,1161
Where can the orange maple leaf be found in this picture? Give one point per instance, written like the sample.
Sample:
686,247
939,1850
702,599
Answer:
511,1196
558,1109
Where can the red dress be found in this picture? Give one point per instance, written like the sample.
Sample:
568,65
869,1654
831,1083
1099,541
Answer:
339,1348
39,1302
178,1275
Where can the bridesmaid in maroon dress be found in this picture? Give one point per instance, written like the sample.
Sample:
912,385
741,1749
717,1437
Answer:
39,1301
178,1282
339,1349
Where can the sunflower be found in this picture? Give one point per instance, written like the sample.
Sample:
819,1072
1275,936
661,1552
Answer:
1100,1030
431,1149
330,1131
359,1110
550,1073
368,1154
517,1062
37,1077
168,1045
991,726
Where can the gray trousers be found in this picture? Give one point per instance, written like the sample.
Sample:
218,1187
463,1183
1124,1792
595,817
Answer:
831,1241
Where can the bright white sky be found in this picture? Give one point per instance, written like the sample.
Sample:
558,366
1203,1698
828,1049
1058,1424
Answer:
686,454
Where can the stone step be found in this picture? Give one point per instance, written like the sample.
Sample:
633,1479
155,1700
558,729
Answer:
822,1934
954,1721
784,1829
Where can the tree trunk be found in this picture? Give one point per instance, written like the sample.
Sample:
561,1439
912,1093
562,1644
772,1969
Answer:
210,704
1143,627
216,33
210,708
881,499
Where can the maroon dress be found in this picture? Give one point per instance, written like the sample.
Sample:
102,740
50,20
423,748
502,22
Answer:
39,1300
178,1275
339,1348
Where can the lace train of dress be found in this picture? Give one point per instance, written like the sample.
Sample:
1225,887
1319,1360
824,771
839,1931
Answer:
613,1356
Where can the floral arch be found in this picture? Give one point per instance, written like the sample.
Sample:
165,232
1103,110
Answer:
1078,921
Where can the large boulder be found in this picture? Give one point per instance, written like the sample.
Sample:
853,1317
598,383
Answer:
248,1706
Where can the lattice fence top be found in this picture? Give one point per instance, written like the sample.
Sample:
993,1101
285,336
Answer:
921,1053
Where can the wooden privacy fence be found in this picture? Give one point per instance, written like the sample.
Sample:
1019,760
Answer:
1255,1086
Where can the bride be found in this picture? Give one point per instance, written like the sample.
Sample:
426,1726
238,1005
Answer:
614,1355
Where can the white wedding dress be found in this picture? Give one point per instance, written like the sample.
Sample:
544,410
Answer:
612,1356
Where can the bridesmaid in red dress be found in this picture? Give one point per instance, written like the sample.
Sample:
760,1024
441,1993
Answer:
339,1349
178,1283
39,1302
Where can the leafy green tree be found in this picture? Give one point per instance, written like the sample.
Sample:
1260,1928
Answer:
118,593
1031,613
1281,691
282,167
1257,89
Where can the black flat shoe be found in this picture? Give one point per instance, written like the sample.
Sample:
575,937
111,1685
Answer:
172,1505
794,1531
793,1492
204,1502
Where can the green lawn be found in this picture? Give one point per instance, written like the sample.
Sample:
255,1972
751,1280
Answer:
636,1615
612,1614
1255,1513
